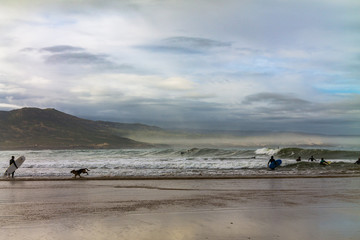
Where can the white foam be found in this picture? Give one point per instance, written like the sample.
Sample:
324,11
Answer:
267,151
149,162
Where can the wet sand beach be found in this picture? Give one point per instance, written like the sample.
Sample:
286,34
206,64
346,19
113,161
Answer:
255,208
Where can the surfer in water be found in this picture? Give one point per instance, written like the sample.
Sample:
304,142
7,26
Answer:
272,160
298,159
12,161
312,159
323,162
358,161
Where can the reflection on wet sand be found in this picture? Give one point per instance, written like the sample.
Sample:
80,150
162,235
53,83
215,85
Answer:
319,208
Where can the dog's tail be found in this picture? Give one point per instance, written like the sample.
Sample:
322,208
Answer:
87,169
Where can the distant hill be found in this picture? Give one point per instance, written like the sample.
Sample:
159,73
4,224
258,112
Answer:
34,128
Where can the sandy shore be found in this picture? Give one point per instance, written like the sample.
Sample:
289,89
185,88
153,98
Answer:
255,208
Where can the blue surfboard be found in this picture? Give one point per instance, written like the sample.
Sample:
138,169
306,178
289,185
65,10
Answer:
275,164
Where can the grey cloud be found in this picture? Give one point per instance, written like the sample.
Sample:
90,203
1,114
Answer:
62,48
74,57
149,111
28,49
185,114
272,107
170,49
197,43
185,45
273,98
74,6
66,54
77,58
349,106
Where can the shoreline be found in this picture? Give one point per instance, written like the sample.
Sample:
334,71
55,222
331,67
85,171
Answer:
113,178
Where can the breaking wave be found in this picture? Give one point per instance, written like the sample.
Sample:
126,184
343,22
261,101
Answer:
183,162
317,153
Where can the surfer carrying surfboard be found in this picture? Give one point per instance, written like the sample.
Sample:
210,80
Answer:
271,160
12,161
272,164
14,165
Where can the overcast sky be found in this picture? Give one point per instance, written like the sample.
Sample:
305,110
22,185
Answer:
272,65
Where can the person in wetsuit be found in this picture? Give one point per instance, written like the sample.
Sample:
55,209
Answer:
12,161
271,160
323,162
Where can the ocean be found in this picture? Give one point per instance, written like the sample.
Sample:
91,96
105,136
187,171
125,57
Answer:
169,162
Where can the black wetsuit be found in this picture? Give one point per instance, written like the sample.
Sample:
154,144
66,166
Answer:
12,161
272,160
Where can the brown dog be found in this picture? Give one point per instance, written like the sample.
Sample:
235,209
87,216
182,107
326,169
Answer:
80,171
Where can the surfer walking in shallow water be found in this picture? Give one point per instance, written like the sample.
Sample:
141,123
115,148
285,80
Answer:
272,160
12,161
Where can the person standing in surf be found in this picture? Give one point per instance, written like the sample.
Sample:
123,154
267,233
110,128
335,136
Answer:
272,160
312,159
12,161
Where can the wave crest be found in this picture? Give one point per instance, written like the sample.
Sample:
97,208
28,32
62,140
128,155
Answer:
317,153
267,151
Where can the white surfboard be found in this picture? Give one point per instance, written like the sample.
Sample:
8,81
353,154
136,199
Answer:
12,167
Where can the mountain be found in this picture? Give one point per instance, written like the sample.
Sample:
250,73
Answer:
34,128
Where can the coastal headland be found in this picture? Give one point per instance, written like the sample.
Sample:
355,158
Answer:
43,129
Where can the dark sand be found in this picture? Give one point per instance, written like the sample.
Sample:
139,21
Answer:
269,208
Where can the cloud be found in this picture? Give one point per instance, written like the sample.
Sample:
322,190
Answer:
176,83
67,54
9,106
71,60
81,58
274,99
185,45
197,43
11,89
37,81
237,64
62,48
275,108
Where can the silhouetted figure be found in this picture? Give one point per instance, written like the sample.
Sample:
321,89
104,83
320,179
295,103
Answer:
312,159
272,160
12,161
